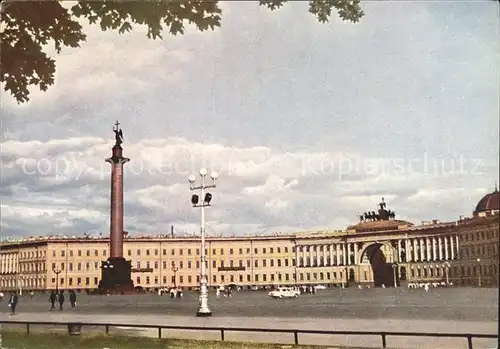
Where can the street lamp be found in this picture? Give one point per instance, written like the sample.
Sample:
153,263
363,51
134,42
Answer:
203,310
175,269
479,271
57,272
447,271
394,266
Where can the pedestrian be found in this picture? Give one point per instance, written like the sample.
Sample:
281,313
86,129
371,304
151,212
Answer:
72,299
14,298
32,294
52,300
61,300
217,293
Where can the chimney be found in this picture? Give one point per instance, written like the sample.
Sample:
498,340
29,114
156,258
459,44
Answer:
172,230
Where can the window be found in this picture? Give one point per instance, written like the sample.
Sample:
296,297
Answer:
147,252
189,252
189,279
79,253
129,252
214,264
156,252
96,281
248,263
96,253
181,252
189,264
138,252
148,280
197,264
271,250
164,252
165,265
62,253
256,263
88,253
156,280
156,264
241,251
230,251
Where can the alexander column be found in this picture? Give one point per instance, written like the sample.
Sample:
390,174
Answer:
116,271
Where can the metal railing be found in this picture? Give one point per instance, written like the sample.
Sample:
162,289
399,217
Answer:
295,332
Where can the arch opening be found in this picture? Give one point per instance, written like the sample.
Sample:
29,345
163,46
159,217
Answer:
385,272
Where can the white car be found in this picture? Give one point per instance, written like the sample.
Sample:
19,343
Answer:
285,292
320,287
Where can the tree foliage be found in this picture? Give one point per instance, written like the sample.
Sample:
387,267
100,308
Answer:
28,27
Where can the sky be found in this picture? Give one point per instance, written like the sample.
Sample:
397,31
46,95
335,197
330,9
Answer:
308,124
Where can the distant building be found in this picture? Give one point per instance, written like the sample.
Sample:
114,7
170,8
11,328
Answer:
379,250
479,244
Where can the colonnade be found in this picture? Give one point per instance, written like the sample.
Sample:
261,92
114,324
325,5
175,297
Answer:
407,249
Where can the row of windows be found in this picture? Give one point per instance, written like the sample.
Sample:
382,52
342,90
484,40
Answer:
190,251
180,251
480,251
88,253
33,254
480,235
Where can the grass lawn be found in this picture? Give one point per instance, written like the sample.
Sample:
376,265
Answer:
13,339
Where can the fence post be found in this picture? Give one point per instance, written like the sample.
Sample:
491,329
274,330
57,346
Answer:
107,329
469,341
296,337
384,339
222,334
159,332
27,328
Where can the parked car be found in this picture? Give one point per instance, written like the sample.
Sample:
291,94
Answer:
320,287
284,292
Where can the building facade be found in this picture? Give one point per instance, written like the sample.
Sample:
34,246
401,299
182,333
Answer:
379,250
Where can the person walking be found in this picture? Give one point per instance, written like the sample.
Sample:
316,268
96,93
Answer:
61,300
52,300
14,299
72,299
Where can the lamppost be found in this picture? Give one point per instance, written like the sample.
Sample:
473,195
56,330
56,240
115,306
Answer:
294,242
175,269
57,272
479,271
394,266
447,265
203,310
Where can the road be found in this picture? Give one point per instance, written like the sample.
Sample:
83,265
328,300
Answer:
459,304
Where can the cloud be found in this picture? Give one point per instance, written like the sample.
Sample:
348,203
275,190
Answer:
64,184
